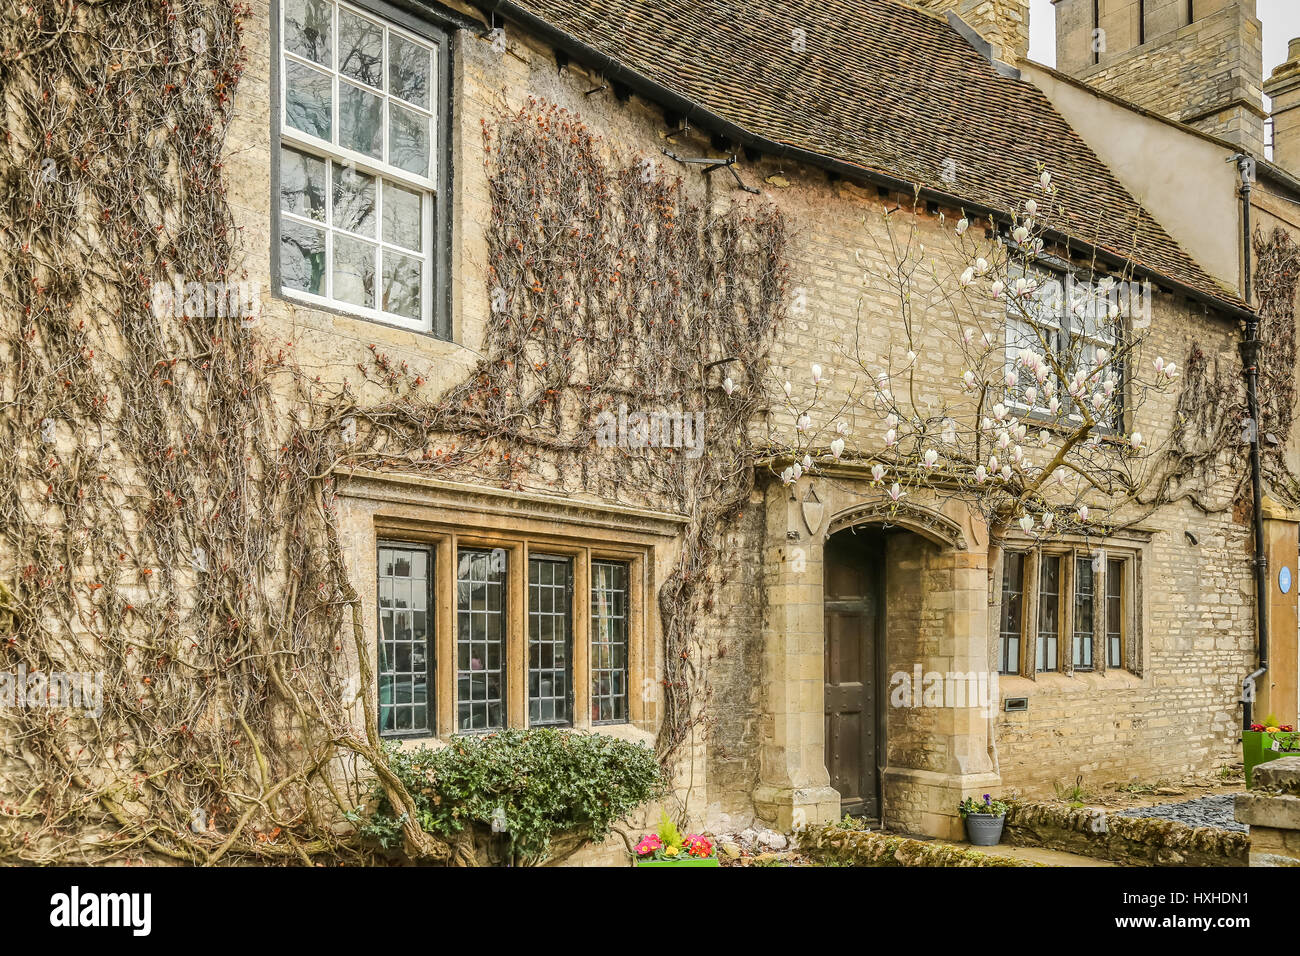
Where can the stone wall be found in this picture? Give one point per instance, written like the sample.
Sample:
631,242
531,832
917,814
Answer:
1207,73
1132,841
834,846
1177,715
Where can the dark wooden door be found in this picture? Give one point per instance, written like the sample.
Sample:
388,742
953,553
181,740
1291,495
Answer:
852,596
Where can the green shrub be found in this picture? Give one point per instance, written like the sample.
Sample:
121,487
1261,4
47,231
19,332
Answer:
532,784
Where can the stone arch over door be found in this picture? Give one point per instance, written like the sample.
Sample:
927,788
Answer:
936,552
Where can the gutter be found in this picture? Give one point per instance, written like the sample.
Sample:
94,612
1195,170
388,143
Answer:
617,73
1250,346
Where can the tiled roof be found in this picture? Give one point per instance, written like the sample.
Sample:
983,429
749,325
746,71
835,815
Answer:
882,86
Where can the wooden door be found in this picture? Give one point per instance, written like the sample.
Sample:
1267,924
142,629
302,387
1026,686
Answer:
852,609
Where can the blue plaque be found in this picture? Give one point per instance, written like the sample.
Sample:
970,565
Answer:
1284,580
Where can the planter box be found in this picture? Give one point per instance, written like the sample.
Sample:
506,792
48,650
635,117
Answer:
1257,748
690,861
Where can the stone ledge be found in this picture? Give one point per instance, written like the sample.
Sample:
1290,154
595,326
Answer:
1277,776
1130,841
832,844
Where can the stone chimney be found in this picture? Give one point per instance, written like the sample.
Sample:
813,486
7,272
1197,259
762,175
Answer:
1004,24
1283,87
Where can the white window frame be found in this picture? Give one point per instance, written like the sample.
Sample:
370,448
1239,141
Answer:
1055,327
381,169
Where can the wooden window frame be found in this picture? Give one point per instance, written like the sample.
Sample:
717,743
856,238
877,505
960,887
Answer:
446,545
1129,558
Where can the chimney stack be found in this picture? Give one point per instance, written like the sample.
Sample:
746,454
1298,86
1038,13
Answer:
1283,87
1004,24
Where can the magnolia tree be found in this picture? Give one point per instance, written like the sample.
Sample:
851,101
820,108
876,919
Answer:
1018,383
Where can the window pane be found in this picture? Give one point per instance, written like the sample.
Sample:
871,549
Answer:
480,675
307,29
1013,592
302,257
361,115
408,140
549,623
1049,608
409,71
361,49
1114,613
404,649
608,642
402,220
354,201
302,184
354,271
307,99
1083,627
401,285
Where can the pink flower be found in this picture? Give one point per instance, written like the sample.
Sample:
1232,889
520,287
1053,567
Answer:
648,845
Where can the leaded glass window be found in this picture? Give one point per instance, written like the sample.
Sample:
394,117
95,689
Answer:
550,623
480,639
609,650
405,640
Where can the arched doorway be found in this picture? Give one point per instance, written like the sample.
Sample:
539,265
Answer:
853,602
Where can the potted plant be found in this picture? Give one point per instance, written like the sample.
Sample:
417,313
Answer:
1267,741
667,847
983,820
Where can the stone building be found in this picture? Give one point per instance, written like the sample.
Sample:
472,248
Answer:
500,594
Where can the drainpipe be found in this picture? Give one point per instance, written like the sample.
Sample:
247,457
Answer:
1249,359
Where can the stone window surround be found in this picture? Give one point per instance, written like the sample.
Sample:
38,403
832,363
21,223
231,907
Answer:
447,515
1130,548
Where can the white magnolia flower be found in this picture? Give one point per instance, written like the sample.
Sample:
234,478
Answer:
787,476
962,226
1043,437
896,493
993,462
787,388
841,427
728,385
930,458
997,288
891,420
1020,234
911,358
1054,406
968,379
877,473
1082,513
1031,395
807,462
1027,524
981,474
816,374
1006,472
1048,518
1135,441
967,334
981,265
1031,207
967,277
1045,180
891,438
804,423
796,470
837,447
999,411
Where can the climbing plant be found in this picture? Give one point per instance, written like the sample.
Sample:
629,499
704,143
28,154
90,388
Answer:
168,515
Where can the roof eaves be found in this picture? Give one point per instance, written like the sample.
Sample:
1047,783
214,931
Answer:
696,113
